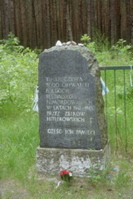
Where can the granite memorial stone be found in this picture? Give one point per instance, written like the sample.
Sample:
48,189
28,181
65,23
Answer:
71,110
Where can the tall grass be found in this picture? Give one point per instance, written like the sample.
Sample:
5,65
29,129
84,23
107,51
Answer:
119,111
119,107
19,124
19,139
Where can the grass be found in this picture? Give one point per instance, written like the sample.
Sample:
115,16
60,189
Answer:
119,111
20,138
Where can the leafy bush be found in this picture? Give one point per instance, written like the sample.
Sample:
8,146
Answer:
116,55
121,47
18,73
88,43
99,43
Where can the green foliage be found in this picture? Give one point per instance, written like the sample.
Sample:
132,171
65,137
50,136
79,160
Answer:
11,44
101,41
18,73
99,44
98,177
118,54
19,139
121,51
121,47
119,130
119,111
86,40
19,129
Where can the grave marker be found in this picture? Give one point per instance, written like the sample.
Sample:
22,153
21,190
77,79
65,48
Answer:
70,106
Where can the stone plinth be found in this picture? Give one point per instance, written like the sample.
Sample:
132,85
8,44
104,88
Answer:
52,160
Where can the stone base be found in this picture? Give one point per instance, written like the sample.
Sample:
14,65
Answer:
78,161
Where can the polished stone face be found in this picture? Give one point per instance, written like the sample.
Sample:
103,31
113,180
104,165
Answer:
68,101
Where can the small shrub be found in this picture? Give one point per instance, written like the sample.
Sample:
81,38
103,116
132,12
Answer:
121,49
86,40
18,74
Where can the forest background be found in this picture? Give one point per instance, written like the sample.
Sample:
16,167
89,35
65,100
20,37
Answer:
106,28
40,23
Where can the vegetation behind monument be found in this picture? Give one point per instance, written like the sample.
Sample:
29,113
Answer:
18,122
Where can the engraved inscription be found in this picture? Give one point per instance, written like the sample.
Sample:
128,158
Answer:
71,131
64,106
69,107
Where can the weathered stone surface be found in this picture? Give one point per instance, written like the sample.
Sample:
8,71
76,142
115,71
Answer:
70,99
80,162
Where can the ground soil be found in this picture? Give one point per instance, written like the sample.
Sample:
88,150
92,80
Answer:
12,189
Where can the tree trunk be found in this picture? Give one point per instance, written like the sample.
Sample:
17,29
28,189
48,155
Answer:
113,20
12,18
48,23
41,23
131,19
69,29
89,18
99,15
131,16
123,19
6,19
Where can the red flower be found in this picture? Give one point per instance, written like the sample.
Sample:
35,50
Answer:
66,175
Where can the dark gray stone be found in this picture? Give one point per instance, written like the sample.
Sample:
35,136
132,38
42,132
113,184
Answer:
70,100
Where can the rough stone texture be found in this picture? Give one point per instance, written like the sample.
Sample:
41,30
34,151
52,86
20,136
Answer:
73,131
79,162
77,125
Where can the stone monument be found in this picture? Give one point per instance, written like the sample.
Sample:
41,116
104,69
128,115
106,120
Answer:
73,130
